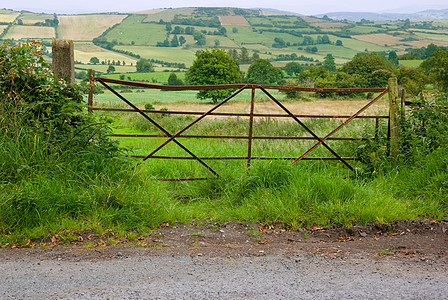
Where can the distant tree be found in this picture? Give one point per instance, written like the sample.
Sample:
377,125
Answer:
223,30
94,60
19,22
436,67
244,58
174,80
393,57
373,68
213,66
307,40
338,43
235,30
182,40
292,68
263,72
174,41
254,57
329,63
168,27
144,66
217,43
279,43
199,37
110,69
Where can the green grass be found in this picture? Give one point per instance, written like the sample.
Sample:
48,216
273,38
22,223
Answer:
156,77
134,30
169,54
410,63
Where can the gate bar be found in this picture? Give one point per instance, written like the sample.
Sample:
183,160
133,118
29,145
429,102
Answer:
340,126
307,129
158,126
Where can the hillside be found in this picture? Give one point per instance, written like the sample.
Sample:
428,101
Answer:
171,37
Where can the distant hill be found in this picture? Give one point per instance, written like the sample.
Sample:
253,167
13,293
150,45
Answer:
427,15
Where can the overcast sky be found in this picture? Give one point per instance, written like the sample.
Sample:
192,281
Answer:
298,6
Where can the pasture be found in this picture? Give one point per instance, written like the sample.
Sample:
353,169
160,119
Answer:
18,32
180,55
134,30
86,27
8,16
84,52
32,18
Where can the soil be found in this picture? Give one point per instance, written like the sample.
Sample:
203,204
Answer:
410,239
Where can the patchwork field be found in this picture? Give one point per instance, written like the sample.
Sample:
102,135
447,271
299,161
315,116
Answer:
134,30
7,16
166,54
322,23
31,18
18,32
233,20
84,52
86,27
166,15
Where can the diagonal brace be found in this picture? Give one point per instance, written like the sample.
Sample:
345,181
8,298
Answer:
193,123
321,141
159,127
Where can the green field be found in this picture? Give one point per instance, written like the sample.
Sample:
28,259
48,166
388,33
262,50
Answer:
410,63
8,16
159,77
179,55
134,30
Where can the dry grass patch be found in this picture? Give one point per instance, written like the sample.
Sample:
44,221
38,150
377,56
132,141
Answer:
86,27
30,32
8,16
31,19
83,53
233,20
322,23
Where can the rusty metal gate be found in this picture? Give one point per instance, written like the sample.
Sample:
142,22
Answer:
173,138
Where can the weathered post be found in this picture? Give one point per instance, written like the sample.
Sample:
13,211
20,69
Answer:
63,59
90,99
394,114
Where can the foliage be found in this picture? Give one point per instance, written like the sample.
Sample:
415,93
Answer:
329,63
436,67
213,67
144,66
373,68
263,72
173,80
293,68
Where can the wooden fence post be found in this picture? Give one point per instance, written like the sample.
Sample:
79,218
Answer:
63,60
394,114
90,99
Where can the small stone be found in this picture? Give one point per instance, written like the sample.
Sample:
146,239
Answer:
363,234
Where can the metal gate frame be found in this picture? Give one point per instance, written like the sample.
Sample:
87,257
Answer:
251,115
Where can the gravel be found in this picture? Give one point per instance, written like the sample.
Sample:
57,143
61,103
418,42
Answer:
205,277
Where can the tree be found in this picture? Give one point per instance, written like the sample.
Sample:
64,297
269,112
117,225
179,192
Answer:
436,67
213,67
174,41
393,57
292,68
339,43
111,69
94,60
329,63
144,66
373,68
199,37
182,40
234,30
217,43
173,80
263,72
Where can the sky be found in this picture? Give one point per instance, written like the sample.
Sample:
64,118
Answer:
298,6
